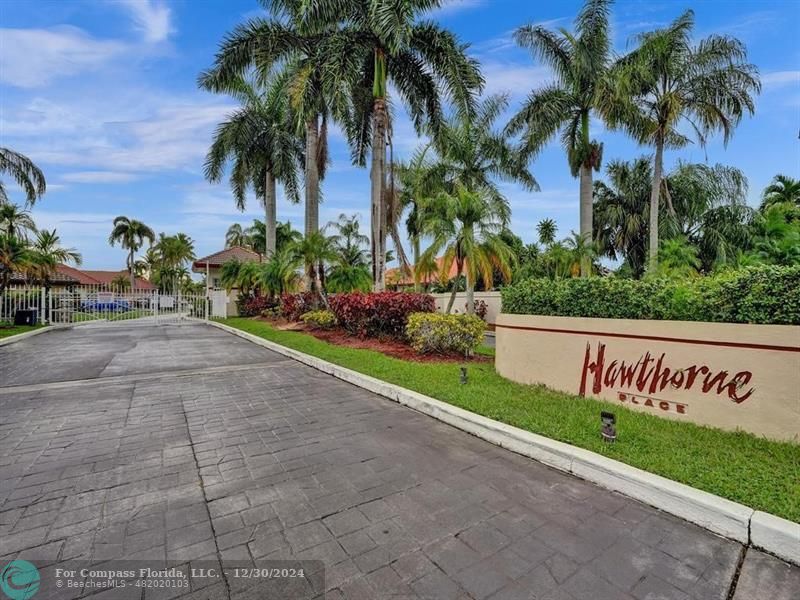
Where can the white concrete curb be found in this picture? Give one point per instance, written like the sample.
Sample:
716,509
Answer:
730,519
776,535
21,336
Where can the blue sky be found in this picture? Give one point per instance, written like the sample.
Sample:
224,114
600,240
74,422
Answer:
102,95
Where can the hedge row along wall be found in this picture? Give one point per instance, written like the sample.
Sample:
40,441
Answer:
766,295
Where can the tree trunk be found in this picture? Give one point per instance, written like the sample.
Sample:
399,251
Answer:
415,251
312,189
130,267
271,214
459,266
586,215
377,177
654,205
470,295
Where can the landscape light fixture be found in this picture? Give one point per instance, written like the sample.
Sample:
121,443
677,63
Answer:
463,375
609,430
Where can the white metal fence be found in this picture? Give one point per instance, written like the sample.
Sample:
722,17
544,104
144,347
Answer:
61,306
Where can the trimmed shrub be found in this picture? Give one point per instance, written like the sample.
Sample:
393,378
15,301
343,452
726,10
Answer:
251,306
763,294
271,313
294,305
443,334
320,319
379,313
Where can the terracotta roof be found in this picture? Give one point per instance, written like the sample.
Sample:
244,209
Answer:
67,275
396,276
106,277
220,258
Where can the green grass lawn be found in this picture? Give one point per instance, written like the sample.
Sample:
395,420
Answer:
759,473
9,330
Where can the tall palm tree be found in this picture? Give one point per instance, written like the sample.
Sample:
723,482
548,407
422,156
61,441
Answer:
173,253
295,46
668,82
781,189
348,240
16,222
131,235
546,231
467,227
47,253
22,170
258,140
381,43
237,236
579,61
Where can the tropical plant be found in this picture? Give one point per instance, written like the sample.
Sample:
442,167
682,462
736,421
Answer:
546,231
259,141
26,174
315,250
666,83
15,257
172,253
348,277
466,227
782,189
279,275
16,222
286,236
580,61
120,283
131,235
348,240
777,239
237,236
378,44
678,259
46,253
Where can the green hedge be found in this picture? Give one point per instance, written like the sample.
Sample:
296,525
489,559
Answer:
764,294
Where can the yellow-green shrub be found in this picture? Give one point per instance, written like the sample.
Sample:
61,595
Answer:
435,332
323,319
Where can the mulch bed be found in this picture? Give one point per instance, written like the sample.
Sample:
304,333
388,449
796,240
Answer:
389,347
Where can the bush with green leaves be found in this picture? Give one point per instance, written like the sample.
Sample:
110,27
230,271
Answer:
444,334
761,294
319,319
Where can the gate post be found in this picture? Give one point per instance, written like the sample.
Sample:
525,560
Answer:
42,312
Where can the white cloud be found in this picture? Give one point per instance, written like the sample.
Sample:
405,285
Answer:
780,78
32,58
151,18
98,177
513,78
449,7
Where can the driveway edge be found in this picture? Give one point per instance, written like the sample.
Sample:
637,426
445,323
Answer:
21,336
714,513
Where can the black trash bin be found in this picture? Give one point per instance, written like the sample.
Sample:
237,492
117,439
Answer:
25,317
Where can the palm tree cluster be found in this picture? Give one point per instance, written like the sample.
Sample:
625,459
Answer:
28,251
306,65
166,264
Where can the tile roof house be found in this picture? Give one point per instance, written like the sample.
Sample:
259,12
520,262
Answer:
70,277
398,279
211,265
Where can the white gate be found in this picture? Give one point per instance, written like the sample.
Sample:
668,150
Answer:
96,304
219,303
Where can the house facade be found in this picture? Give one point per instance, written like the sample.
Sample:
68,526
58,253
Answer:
223,301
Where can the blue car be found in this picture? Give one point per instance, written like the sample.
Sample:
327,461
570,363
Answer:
105,305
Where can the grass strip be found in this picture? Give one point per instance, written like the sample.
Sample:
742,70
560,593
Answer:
9,330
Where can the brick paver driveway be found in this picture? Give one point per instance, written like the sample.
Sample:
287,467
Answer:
185,446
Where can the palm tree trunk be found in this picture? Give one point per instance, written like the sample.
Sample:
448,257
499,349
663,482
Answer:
271,216
377,176
459,267
415,251
586,215
470,295
312,188
130,268
654,205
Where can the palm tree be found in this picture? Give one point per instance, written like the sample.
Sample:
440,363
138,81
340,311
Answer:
781,189
667,82
621,209
173,253
236,236
22,170
131,234
546,230
382,42
580,62
286,236
581,250
315,250
348,239
46,253
678,258
120,283
16,222
279,275
15,257
466,226
259,142
295,45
